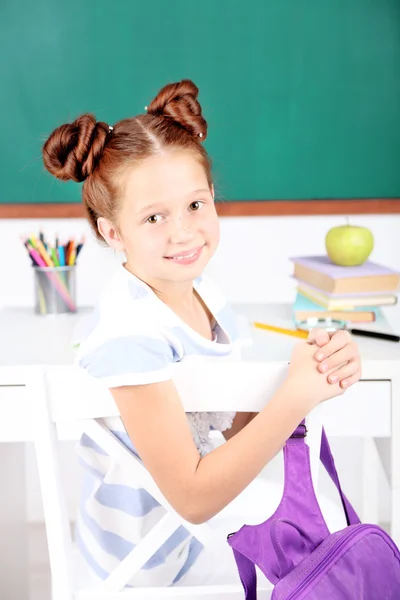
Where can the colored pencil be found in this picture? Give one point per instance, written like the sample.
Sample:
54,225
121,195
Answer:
72,257
54,257
273,328
80,246
61,256
70,246
32,240
60,286
44,254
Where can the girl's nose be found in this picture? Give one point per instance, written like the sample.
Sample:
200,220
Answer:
180,232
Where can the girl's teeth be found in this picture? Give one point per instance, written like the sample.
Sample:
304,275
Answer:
181,257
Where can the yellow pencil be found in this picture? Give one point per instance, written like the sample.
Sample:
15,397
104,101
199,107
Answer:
293,332
32,240
71,258
43,253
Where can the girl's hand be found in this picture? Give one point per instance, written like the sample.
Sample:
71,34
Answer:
338,351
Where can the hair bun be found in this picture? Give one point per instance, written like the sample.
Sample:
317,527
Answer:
73,150
179,102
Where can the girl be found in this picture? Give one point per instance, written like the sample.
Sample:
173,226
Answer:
148,193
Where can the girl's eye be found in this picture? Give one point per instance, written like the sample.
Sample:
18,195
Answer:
196,205
153,219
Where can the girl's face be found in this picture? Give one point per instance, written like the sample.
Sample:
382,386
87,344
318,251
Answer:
168,225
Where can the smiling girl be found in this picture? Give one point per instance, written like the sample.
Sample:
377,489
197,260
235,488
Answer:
148,192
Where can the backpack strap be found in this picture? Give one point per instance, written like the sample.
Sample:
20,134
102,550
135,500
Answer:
329,464
247,573
246,568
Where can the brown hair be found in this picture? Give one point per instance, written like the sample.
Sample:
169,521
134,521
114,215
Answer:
90,151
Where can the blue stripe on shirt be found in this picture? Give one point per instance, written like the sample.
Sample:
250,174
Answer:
135,502
122,436
87,442
194,550
119,547
131,354
88,557
126,440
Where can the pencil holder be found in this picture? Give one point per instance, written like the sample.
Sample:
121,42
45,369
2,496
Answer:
54,290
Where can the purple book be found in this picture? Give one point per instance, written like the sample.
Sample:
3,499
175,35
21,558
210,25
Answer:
324,265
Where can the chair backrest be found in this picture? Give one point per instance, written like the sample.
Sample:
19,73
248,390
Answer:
67,402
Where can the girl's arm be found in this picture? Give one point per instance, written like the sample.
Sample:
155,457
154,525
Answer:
198,488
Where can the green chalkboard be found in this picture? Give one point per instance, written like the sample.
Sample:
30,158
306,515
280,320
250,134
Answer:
302,97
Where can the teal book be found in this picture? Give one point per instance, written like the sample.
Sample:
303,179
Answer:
304,308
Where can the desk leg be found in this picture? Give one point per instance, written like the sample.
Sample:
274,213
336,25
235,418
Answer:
14,569
395,460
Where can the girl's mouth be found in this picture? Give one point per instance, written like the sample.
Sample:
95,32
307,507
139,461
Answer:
186,258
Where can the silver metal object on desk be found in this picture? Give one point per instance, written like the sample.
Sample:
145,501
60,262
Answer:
330,324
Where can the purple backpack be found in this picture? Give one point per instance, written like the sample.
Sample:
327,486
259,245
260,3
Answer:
296,552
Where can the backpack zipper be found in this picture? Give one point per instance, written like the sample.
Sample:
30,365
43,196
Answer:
332,553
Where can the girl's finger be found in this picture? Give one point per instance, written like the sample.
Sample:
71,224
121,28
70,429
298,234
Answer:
337,358
338,340
346,375
318,336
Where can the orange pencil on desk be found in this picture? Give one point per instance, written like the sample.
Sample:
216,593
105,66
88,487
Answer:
293,332
70,247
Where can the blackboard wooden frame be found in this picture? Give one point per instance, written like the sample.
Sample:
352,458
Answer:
227,209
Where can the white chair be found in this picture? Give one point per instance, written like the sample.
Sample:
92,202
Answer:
67,402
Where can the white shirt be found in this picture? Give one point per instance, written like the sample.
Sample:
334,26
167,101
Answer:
134,338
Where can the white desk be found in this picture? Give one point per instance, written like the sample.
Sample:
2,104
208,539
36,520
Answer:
370,409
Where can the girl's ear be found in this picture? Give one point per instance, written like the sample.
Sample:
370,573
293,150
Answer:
109,232
212,191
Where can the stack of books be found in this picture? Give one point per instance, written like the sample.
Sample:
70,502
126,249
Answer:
354,294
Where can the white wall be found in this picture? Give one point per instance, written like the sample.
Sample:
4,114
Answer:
251,265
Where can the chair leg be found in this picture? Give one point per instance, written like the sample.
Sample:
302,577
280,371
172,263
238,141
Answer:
14,568
370,482
55,513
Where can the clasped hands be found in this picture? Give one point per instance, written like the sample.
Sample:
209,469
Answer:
337,349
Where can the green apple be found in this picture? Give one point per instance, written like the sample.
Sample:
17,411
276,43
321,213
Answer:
349,245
